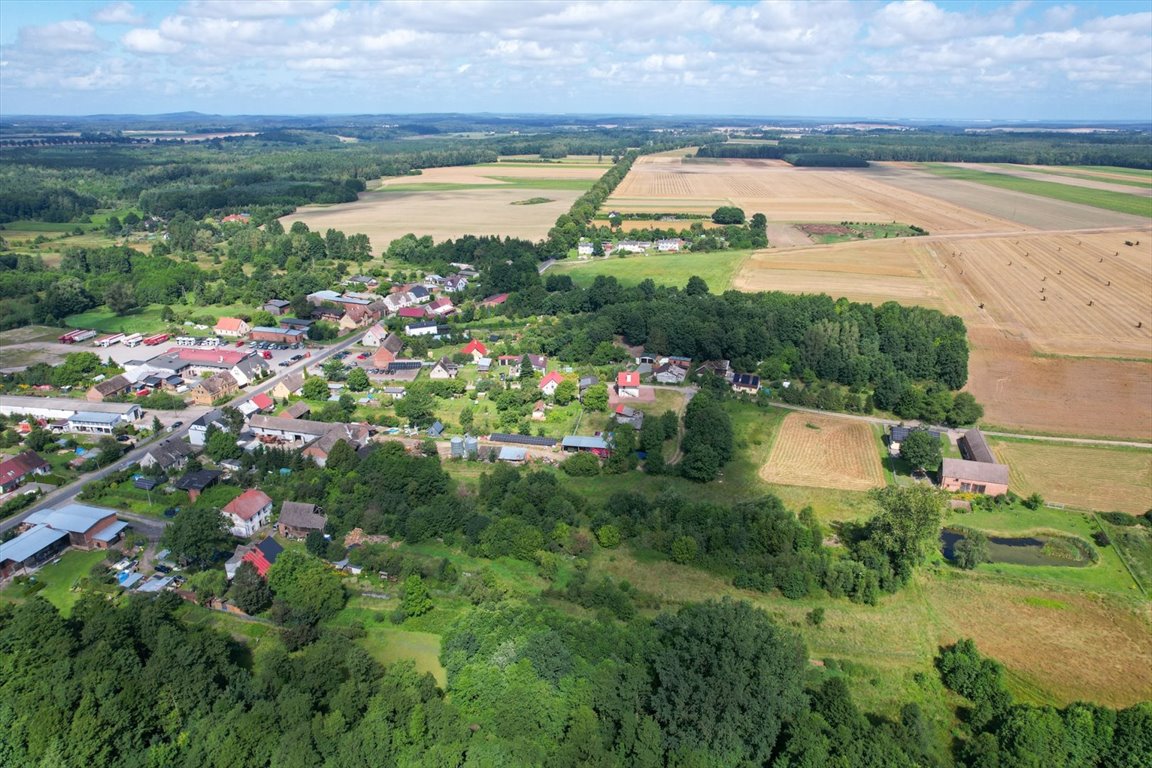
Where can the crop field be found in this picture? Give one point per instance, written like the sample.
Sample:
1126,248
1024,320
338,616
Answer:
451,202
825,452
715,268
783,193
1103,479
1045,172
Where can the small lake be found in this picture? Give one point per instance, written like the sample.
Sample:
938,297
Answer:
1023,550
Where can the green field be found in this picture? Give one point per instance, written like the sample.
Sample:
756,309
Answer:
389,645
866,231
1052,171
147,319
60,578
672,269
1097,198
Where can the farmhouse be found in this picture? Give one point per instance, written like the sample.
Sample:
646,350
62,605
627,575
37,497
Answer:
212,389
298,519
375,335
14,471
583,443
248,370
476,349
357,317
233,327
628,384
426,328
978,471
669,245
288,386
278,335
442,306
297,410
455,283
748,383
356,435
261,555
117,385
549,383
248,512
584,248
363,280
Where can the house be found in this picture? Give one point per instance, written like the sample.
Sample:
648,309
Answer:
276,307
248,512
213,388
198,429
978,471
539,364
748,383
419,294
549,383
292,431
355,317
364,280
720,368
628,415
582,443
328,313
93,423
507,361
263,555
388,350
628,384
298,519
249,370
394,392
669,245
297,323
288,386
232,327
196,483
117,385
172,453
14,471
455,283
375,335
298,410
394,302
426,328
436,430
412,313
495,300
539,411
320,297
441,307
512,454
476,349
669,373
262,402
444,369
356,435
584,248
484,365
433,281
587,381
279,335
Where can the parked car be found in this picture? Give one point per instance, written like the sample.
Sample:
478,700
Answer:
362,356
241,343
176,425
284,363
266,355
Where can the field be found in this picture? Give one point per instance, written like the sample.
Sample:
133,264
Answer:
825,452
667,268
1102,479
451,202
60,577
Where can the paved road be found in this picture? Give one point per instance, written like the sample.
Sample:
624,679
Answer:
68,493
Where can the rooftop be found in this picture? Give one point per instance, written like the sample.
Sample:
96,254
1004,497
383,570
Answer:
74,518
29,543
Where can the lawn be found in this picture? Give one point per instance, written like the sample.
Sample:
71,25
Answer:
60,577
388,645
672,269
146,319
128,497
1134,544
1097,198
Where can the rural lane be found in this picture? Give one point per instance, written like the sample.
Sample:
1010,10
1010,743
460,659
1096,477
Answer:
69,493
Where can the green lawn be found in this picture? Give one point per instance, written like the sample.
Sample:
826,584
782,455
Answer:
60,578
867,231
128,497
147,319
672,269
388,645
1097,198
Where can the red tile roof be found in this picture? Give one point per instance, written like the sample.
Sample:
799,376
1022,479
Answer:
219,356
552,377
229,324
628,379
411,312
262,401
248,504
20,465
475,346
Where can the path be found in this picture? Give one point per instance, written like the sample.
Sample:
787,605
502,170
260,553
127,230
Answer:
68,493
689,392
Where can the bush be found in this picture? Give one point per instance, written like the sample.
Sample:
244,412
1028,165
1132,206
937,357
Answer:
815,617
581,464
608,536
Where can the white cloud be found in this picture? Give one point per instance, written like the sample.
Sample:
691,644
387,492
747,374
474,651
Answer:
71,35
149,41
118,13
256,9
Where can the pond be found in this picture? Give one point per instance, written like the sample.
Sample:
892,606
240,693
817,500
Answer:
1039,549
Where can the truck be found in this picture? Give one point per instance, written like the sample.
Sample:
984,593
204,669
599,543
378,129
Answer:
186,341
78,335
133,340
159,338
107,341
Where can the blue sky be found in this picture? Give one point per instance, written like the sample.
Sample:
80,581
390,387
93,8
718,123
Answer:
869,58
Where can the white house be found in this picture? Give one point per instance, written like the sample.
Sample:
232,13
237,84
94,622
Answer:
231,326
549,383
427,328
584,248
628,384
375,335
669,245
249,512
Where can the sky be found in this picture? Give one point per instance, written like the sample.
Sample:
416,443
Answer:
976,60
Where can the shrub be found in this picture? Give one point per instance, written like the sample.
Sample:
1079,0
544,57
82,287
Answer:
608,536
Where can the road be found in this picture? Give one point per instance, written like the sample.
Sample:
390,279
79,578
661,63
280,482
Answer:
67,493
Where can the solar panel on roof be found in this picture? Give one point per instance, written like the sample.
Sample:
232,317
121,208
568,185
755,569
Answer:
502,437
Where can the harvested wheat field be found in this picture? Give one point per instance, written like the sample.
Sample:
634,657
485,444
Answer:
784,193
1034,632
825,452
1102,479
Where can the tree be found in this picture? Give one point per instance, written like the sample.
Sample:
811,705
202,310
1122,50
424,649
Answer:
249,592
728,214
970,550
315,388
315,543
157,427
684,550
416,600
208,585
120,297
726,679
582,464
921,449
309,589
333,369
565,392
964,410
417,406
696,286
198,536
113,227
596,397
908,527
608,536
1034,501
342,458
526,369
358,380
220,444
466,418
262,318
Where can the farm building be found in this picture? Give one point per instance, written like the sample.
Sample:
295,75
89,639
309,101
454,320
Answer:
356,435
578,443
412,313
48,532
978,471
117,385
512,454
296,323
626,414
426,328
748,383
529,440
276,307
628,384
93,423
248,512
298,519
233,327
721,368
195,483
495,300
670,373
388,350
278,335
14,471
298,410
539,411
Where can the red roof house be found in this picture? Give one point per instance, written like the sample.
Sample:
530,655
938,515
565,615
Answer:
628,384
494,301
415,312
249,511
549,383
263,402
475,348
15,470
263,555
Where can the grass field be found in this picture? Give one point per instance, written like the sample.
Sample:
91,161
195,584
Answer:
388,645
1143,180
1097,198
825,452
60,577
143,320
1086,477
672,269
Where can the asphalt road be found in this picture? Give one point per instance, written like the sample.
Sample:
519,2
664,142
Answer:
67,493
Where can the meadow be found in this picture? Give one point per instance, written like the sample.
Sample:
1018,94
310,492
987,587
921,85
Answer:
716,268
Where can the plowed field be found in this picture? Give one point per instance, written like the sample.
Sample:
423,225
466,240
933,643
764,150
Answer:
831,453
